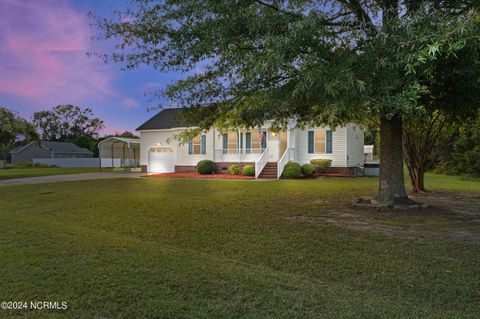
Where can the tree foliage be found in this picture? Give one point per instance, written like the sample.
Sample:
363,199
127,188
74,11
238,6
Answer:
65,122
317,61
14,130
466,153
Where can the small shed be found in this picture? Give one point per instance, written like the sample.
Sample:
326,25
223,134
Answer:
368,152
119,152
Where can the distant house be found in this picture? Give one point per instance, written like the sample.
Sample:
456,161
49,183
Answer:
46,149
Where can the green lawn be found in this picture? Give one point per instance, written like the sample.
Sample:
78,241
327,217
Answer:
163,248
40,171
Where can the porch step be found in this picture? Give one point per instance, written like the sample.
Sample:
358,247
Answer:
269,171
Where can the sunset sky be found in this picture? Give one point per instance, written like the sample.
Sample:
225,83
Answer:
43,63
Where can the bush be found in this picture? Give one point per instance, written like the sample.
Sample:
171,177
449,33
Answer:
466,154
234,169
321,165
249,170
308,169
206,167
292,170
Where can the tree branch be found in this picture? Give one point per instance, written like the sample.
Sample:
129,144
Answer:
360,13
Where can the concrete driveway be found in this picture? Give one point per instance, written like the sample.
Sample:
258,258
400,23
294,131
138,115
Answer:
68,178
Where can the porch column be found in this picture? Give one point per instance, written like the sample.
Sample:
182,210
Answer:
292,146
238,147
213,144
267,133
288,139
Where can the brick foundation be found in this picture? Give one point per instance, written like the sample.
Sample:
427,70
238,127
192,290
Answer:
185,169
345,171
220,168
223,167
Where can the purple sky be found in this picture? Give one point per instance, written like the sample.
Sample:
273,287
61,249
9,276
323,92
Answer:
43,63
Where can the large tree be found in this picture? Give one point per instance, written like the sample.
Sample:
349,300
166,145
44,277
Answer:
67,122
318,61
14,130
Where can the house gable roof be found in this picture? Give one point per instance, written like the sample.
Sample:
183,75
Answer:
55,147
165,119
64,147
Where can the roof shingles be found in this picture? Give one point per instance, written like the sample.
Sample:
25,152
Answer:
165,119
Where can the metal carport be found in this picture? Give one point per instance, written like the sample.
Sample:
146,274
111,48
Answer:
119,152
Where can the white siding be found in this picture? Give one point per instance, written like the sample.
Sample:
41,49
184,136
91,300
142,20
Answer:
339,147
183,158
355,141
154,139
345,141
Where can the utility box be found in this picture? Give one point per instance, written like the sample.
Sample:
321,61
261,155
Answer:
371,169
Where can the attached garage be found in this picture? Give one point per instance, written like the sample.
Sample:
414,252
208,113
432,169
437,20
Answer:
161,160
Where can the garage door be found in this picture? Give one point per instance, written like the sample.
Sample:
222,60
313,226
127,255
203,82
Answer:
161,160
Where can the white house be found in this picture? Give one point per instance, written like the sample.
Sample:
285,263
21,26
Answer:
161,152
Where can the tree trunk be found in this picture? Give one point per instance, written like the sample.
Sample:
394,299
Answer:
419,182
417,177
392,185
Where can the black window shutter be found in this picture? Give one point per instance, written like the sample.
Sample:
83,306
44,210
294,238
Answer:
310,142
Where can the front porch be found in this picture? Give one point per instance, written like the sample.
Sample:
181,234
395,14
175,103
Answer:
243,147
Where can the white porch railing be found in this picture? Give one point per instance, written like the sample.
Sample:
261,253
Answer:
238,155
261,162
283,161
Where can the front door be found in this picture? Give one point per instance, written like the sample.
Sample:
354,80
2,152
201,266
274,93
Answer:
273,146
277,145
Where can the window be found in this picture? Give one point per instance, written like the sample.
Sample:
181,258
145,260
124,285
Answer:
197,145
161,150
230,142
319,141
319,146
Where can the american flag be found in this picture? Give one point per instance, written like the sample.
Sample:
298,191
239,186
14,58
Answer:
260,137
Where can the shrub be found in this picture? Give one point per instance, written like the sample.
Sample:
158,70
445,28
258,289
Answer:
308,169
234,169
466,154
321,165
249,170
292,170
206,167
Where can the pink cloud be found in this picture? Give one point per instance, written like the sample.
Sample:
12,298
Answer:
112,130
43,54
130,103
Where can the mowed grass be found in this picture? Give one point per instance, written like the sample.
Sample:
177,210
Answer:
11,173
164,248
